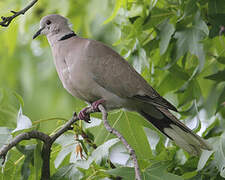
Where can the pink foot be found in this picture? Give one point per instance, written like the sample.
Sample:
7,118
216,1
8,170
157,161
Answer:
96,104
84,116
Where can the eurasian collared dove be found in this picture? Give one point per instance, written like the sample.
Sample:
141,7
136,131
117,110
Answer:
95,73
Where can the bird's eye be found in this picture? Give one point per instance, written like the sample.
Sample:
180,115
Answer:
48,22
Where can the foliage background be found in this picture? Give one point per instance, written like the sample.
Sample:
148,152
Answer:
177,46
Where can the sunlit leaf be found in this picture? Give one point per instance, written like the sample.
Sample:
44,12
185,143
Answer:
166,31
118,154
118,5
155,172
189,175
130,125
188,40
203,159
98,155
67,172
153,138
67,142
23,122
220,156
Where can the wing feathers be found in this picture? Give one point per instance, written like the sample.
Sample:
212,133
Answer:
158,101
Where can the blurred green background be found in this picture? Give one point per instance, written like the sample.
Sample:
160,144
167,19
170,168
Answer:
26,65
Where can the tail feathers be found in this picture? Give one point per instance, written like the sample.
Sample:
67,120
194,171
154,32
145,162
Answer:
177,131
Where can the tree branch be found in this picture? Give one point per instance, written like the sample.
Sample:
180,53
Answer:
65,127
49,140
68,125
122,139
24,136
7,20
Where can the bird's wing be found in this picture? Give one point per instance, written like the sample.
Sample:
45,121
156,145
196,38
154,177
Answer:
115,74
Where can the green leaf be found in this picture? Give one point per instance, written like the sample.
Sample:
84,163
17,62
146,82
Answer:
26,171
220,155
28,151
216,21
173,80
190,8
5,136
221,59
68,146
67,172
98,155
130,125
189,175
198,124
166,31
203,159
188,92
127,173
221,100
102,152
216,6
139,60
211,127
118,5
188,40
156,16
219,76
38,159
19,98
157,171
153,138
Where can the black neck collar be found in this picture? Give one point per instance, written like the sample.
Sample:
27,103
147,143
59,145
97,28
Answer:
67,36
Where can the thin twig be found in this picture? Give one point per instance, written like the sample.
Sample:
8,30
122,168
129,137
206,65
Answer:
68,125
7,20
24,136
86,137
122,139
65,128
49,140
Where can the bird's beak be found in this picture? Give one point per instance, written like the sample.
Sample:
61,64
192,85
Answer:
38,33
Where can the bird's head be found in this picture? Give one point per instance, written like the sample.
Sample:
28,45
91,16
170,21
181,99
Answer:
52,24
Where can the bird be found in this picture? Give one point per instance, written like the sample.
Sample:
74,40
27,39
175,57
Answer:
96,74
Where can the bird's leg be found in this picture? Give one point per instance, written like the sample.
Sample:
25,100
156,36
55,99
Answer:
83,115
95,104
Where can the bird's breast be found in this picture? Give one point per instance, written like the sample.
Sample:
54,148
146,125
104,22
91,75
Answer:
74,78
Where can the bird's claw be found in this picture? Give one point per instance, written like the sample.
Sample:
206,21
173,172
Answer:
95,104
83,115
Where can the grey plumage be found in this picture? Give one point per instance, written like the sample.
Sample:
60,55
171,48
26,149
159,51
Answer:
91,71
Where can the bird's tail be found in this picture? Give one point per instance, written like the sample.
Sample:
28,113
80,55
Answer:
169,125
